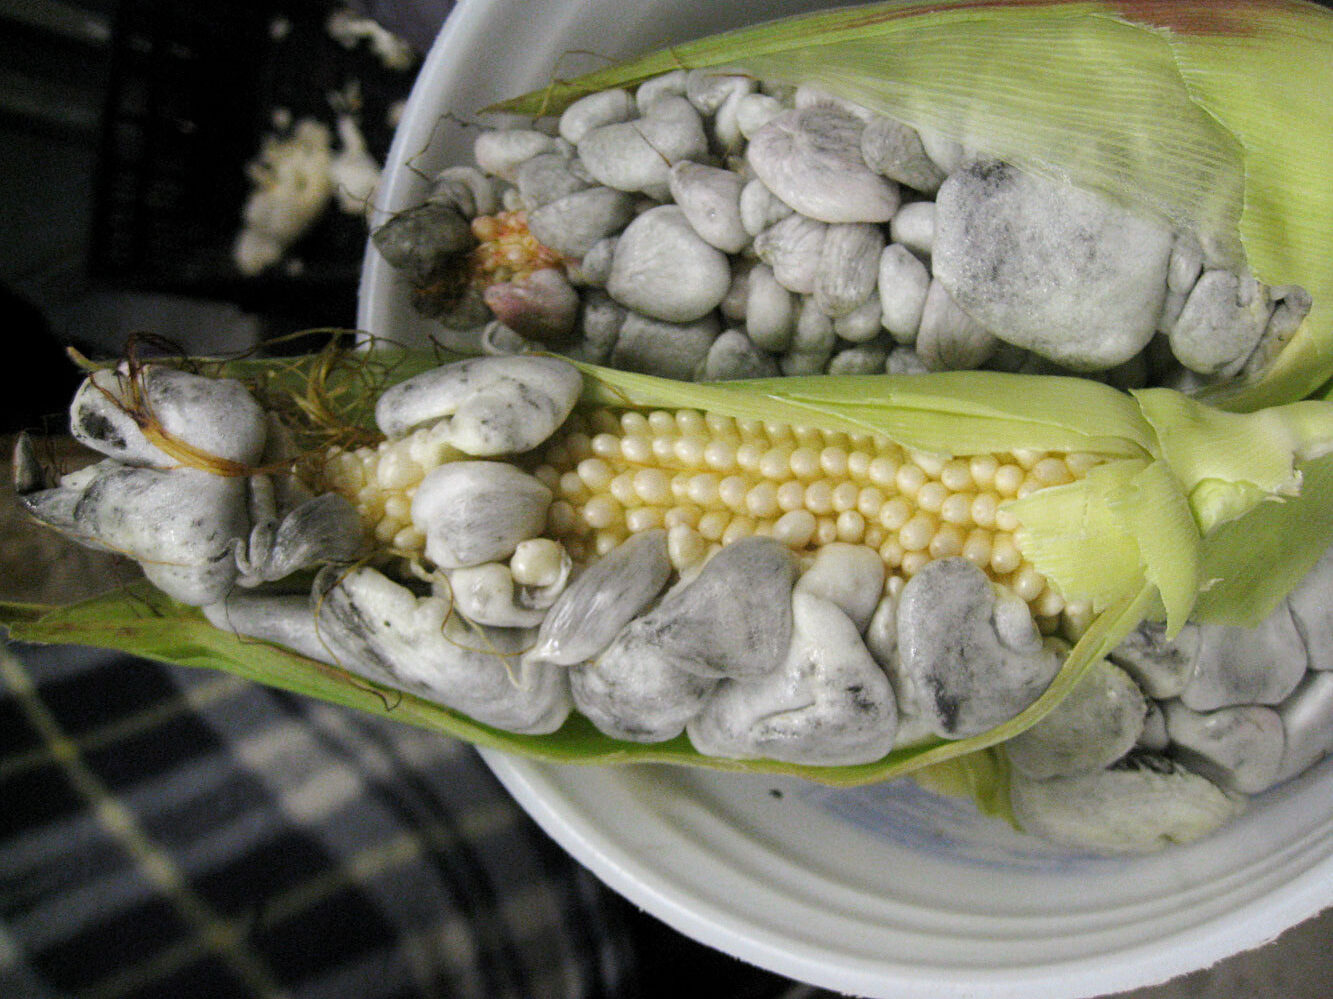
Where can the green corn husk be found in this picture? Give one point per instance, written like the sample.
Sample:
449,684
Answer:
1217,118
1187,504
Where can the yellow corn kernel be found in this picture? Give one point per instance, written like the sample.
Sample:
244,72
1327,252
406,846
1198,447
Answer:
710,480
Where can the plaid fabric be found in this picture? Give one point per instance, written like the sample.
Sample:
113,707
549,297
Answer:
171,832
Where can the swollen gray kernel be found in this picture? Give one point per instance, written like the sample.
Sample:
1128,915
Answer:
1240,748
502,151
606,107
548,177
636,692
1161,666
667,85
1100,721
973,659
862,324
864,359
827,703
484,594
608,595
792,248
1060,271
848,267
710,198
1221,322
1144,805
905,361
814,330
1307,721
637,155
949,339
542,305
1309,604
285,620
466,189
914,227
320,530
484,406
895,150
760,208
179,523
1292,304
733,619
1259,665
663,269
811,159
595,267
849,576
477,511
709,89
733,355
574,224
218,416
769,311
754,111
380,630
601,321
668,350
904,284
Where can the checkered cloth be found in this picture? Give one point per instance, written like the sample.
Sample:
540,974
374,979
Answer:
173,832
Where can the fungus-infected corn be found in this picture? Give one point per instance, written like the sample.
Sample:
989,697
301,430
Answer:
711,479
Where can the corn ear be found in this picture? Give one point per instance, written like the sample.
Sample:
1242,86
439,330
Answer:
1141,534
1216,118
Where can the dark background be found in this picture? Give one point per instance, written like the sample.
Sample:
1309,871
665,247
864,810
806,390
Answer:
125,128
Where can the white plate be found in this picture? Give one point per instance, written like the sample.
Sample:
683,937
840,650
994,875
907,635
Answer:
888,891
881,891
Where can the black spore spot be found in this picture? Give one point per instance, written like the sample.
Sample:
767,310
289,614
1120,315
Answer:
97,427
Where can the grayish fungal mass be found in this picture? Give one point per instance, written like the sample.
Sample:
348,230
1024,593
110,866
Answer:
1096,724
828,703
753,653
667,196
1049,267
636,690
477,511
485,406
1143,805
811,159
731,620
972,659
381,630
593,609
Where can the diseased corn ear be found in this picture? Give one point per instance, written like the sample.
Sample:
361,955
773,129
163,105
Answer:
1213,118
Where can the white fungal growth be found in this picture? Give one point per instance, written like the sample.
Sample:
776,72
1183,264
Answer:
291,186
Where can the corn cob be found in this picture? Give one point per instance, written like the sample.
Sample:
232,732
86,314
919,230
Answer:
711,480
